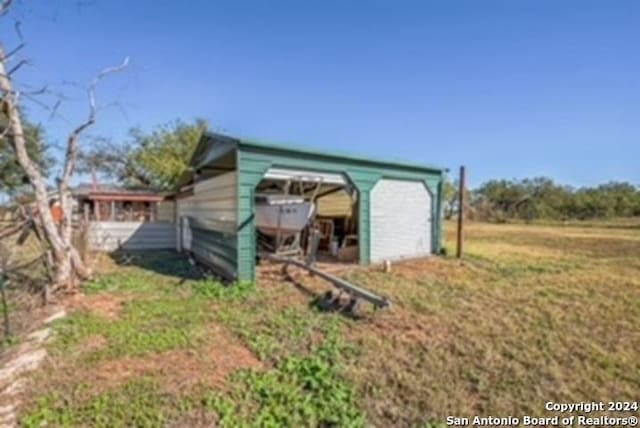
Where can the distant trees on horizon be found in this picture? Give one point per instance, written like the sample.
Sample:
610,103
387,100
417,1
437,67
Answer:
156,160
541,198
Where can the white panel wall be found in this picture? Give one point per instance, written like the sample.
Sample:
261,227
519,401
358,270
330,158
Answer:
213,201
209,219
400,220
184,235
113,235
166,211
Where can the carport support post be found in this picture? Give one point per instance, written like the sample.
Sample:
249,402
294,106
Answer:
461,206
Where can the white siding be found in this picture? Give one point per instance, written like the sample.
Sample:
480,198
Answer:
112,235
166,211
213,201
184,234
209,222
400,220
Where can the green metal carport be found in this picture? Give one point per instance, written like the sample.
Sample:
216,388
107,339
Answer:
399,214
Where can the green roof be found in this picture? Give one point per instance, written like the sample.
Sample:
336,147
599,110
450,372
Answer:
278,147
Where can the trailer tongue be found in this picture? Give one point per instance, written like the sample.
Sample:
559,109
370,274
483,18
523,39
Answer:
355,293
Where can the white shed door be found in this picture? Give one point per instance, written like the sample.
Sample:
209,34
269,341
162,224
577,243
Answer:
400,220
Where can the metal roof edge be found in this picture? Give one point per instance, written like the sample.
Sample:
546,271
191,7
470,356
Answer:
251,143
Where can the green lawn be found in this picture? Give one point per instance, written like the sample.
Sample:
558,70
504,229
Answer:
532,314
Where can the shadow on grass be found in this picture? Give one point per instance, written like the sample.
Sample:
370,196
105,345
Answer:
163,262
329,301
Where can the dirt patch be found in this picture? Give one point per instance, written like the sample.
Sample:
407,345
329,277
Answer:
422,331
178,369
434,268
228,355
103,263
26,314
104,304
93,343
280,288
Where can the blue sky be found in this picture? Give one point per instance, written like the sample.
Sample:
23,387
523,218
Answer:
509,88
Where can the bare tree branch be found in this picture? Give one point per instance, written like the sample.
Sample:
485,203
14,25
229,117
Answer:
18,27
100,76
31,169
17,66
70,163
59,97
55,108
72,141
43,90
12,52
5,132
67,260
42,105
4,6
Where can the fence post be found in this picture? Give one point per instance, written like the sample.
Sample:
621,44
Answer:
461,207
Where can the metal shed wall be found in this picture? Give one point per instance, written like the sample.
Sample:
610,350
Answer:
253,160
211,216
131,235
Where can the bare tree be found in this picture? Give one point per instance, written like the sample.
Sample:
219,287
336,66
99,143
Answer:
68,264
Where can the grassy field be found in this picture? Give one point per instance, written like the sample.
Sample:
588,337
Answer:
532,314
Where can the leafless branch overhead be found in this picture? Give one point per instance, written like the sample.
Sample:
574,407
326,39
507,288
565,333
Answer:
100,76
54,109
72,141
4,6
18,27
17,66
12,52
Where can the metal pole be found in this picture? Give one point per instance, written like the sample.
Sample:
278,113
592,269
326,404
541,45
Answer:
278,230
5,307
461,207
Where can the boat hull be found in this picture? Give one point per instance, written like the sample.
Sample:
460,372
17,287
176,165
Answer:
285,219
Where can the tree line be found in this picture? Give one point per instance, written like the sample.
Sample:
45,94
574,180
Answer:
541,198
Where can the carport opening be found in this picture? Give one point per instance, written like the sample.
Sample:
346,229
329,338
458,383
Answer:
307,214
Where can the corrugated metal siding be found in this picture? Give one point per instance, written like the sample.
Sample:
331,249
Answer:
111,235
400,220
254,162
211,217
166,211
335,205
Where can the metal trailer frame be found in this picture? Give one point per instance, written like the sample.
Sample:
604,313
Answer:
353,290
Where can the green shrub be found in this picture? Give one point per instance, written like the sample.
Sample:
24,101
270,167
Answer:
300,391
213,289
102,284
144,326
137,404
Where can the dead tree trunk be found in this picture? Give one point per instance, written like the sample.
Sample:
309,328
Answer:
15,133
68,264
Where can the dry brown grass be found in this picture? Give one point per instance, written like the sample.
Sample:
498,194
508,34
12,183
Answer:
531,314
